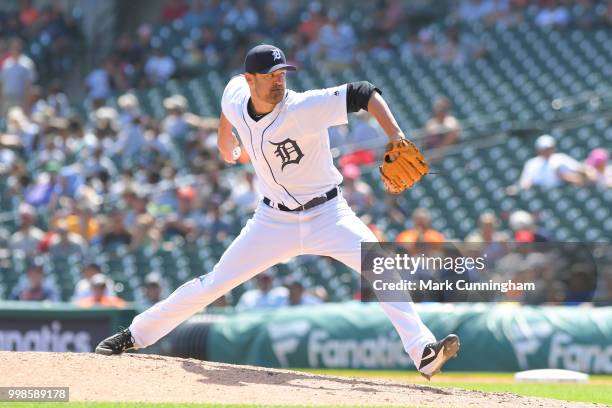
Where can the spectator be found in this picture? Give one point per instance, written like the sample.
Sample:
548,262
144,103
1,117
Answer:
391,14
152,289
175,124
99,83
598,171
27,132
411,47
336,42
159,67
83,288
47,189
17,75
358,194
442,129
99,164
298,295
127,52
192,59
428,47
7,159
524,226
145,233
173,10
27,239
28,14
36,287
494,241
129,109
505,14
581,284
458,48
136,204
65,244
585,15
197,16
421,231
58,101
474,10
487,231
210,47
314,21
265,296
115,233
549,169
242,17
186,221
129,144
82,221
216,226
99,297
245,196
553,15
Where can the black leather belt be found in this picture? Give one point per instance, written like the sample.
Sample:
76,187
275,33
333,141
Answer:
311,204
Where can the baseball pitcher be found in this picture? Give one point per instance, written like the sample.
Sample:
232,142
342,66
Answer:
303,211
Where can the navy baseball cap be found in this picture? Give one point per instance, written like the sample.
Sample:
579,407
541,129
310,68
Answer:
264,59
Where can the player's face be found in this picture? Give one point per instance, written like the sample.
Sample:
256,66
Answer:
270,87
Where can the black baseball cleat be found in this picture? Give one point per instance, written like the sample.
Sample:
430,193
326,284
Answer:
116,344
438,353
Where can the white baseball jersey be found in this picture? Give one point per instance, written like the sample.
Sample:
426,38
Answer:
289,147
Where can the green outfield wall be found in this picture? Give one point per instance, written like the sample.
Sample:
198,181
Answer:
359,335
343,335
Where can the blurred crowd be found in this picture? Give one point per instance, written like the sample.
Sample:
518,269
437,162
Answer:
563,273
51,32
190,36
550,169
118,179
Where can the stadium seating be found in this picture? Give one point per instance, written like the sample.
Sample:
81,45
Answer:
527,67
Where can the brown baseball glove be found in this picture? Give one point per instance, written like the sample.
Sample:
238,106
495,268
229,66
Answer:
403,165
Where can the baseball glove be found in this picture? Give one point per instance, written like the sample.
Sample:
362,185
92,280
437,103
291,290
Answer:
403,165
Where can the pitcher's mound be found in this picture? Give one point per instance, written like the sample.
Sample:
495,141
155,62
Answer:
151,378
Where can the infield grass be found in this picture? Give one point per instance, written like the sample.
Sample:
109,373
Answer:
598,389
139,404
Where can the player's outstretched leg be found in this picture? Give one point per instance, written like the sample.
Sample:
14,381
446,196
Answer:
266,240
338,233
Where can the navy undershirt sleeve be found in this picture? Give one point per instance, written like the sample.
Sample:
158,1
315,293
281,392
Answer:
358,95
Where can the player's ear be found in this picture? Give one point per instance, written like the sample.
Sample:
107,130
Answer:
250,78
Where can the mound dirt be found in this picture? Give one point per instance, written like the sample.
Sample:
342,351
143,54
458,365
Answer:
152,378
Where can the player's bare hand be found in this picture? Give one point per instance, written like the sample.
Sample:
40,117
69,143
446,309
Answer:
230,154
393,137
227,142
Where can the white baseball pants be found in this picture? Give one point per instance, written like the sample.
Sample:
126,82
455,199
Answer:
269,237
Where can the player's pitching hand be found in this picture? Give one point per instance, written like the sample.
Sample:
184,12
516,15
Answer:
230,152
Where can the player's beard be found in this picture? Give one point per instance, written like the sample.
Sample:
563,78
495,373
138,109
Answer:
276,95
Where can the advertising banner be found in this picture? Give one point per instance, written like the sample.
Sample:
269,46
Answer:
359,335
36,326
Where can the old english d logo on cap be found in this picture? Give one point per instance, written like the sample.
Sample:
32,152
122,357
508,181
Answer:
264,59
